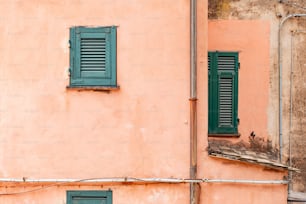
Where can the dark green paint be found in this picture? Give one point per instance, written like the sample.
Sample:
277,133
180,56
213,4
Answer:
215,76
89,197
100,63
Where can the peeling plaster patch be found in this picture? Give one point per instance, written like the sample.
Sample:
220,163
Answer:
142,130
216,197
66,73
129,126
160,196
298,131
65,45
271,10
155,196
233,9
217,8
256,146
27,201
3,173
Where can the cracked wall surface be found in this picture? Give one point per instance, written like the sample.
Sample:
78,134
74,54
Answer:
293,45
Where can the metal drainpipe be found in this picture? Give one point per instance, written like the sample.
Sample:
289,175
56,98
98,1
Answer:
194,188
290,116
280,80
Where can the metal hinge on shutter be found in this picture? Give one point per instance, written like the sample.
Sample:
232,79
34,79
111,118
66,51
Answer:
238,65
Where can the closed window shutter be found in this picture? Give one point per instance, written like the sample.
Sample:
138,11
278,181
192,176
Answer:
94,56
93,200
89,197
223,93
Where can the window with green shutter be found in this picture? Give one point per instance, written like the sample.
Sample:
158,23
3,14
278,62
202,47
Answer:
223,93
89,197
93,56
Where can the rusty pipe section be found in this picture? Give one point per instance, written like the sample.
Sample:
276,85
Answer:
194,187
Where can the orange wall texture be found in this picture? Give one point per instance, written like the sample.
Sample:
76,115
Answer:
251,38
140,130
49,131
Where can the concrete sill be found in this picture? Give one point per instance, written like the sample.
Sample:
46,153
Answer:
93,88
296,196
224,135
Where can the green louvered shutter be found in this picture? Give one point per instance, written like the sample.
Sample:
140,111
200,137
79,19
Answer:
93,56
89,197
223,92
93,200
211,101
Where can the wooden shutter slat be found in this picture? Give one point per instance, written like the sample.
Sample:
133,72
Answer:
226,101
93,62
92,73
93,57
208,62
93,49
226,63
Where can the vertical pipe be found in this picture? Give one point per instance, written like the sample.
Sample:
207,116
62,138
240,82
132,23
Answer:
194,193
280,116
290,116
193,150
193,49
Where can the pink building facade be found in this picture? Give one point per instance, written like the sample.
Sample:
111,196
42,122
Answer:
128,141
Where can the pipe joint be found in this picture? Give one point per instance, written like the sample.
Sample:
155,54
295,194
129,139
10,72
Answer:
193,99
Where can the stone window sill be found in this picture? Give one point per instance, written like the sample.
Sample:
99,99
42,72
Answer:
93,88
224,135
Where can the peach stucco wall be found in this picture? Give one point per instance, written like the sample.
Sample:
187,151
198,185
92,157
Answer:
251,38
49,131
140,130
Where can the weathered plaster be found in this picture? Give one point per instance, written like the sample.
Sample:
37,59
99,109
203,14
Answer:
273,11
